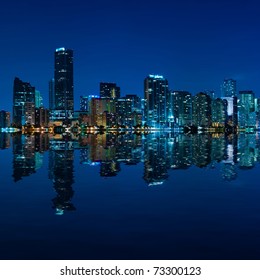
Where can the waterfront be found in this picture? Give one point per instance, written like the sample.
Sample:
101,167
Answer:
105,196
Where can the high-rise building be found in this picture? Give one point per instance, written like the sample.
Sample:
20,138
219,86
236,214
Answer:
201,110
85,101
181,107
246,109
23,100
63,79
229,93
257,106
157,95
41,117
229,88
38,99
136,102
51,94
4,119
109,90
219,112
97,108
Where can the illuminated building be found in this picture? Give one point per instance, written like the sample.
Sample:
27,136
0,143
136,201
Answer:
201,110
29,108
136,102
229,93
157,95
84,102
181,108
229,88
219,112
41,117
257,106
23,100
4,119
98,106
109,90
51,94
246,109
63,83
38,99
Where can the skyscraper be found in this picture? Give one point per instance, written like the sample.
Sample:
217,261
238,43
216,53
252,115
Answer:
38,99
23,100
229,88
246,109
219,112
51,94
182,108
4,119
109,90
157,95
201,110
63,79
229,93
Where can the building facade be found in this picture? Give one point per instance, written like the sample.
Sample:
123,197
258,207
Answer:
5,119
181,108
109,90
246,109
63,81
201,110
157,95
23,102
229,88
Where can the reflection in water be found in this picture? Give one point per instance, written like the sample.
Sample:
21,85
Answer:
61,159
158,152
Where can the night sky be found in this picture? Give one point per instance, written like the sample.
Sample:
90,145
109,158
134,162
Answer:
195,44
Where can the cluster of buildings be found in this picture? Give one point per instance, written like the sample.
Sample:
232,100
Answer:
160,106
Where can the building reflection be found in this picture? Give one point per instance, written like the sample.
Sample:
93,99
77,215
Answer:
159,153
24,159
5,139
229,163
61,172
28,153
156,159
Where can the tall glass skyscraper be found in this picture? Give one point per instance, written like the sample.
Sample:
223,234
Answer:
229,93
51,94
229,88
246,109
63,80
201,110
157,95
181,107
23,103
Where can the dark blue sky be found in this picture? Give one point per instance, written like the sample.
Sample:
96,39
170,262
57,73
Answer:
195,44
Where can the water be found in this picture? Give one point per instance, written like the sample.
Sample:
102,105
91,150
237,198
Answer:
157,196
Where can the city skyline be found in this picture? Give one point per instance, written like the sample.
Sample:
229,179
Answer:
199,44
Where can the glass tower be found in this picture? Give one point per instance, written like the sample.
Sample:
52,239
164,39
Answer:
157,95
63,80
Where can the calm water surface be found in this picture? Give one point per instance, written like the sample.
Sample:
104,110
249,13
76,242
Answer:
130,197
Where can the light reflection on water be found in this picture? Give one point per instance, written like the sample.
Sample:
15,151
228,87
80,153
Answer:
158,196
